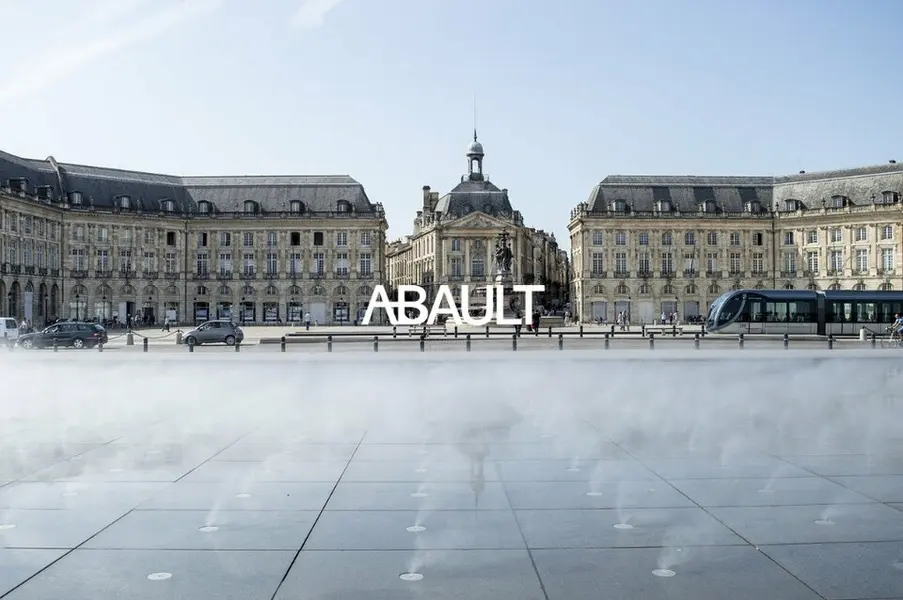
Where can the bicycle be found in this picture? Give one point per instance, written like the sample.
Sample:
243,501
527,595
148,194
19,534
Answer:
892,340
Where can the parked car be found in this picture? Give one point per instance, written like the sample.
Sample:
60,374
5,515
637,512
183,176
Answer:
67,333
9,329
221,331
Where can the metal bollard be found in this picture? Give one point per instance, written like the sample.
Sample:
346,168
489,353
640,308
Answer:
786,341
643,330
612,329
581,331
873,340
282,344
696,341
514,341
394,331
100,346
329,343
674,331
237,346
178,338
468,342
376,343
606,341
145,344
561,341
830,341
487,331
536,331
456,332
652,340
422,345
550,331
130,339
54,345
740,337
191,347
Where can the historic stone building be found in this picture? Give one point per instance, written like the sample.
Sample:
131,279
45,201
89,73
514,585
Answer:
454,239
658,244
90,242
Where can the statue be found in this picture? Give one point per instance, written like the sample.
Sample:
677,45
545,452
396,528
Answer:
503,253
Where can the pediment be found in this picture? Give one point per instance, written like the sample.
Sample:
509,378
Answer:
477,220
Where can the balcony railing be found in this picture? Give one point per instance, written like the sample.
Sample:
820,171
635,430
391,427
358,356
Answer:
150,274
599,274
224,275
29,269
171,276
103,274
247,275
342,275
78,273
788,273
200,276
690,273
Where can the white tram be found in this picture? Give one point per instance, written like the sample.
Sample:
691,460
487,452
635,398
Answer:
803,312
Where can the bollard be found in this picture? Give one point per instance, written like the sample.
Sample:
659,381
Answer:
237,346
581,331
376,343
422,345
282,343
786,341
468,342
606,341
830,341
130,339
643,330
191,347
612,329
674,331
703,329
100,346
536,331
178,338
445,333
487,331
550,331
329,343
740,337
456,332
394,332
561,341
145,344
873,340
696,341
514,341
652,340
54,345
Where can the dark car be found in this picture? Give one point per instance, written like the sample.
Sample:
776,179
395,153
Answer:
67,333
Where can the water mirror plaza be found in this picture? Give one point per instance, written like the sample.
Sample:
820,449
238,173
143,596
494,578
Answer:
676,474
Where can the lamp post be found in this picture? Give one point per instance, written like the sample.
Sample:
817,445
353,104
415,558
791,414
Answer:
242,309
103,309
150,305
46,303
627,319
9,303
77,306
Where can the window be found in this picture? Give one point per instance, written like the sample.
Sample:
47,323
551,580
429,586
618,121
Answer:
887,259
789,262
711,262
622,290
125,261
621,263
248,264
125,202
318,238
456,245
620,238
837,202
887,232
477,266
366,267
203,207
860,234
689,263
341,239
835,261
294,238
788,238
150,237
456,266
758,239
667,263
225,238
103,235
247,239
790,205
75,198
812,236
202,240
225,263
664,206
169,206
272,265
296,206
343,206
78,232
597,238
102,259
149,261
890,197
341,264
203,264
170,264
812,262
862,260
294,263
319,263
836,235
598,261
619,206
758,263
666,238
644,265
250,207
735,266
643,238
689,239
272,239
711,238
365,239
78,258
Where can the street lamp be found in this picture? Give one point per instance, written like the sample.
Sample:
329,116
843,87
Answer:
242,309
77,306
46,299
103,309
627,319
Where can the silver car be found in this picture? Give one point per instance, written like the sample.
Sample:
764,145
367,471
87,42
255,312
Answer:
220,331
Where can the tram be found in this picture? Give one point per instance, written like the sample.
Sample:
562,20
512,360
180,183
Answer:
803,311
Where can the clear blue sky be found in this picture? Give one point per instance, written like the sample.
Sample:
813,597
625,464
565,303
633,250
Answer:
383,90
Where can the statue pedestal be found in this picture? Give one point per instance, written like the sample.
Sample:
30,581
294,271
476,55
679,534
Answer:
506,282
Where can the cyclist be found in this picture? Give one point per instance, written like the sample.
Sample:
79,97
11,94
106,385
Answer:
897,326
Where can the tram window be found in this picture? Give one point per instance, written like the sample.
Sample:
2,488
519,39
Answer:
776,312
840,312
755,311
887,310
801,311
866,312
730,309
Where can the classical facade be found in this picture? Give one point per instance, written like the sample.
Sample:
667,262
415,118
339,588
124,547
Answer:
454,237
658,244
95,243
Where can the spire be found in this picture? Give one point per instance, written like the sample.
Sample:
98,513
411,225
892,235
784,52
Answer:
474,134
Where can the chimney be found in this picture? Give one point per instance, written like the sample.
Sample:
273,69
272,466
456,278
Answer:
426,197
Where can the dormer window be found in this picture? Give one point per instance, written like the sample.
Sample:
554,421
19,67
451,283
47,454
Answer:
18,185
753,206
343,206
203,207
45,192
487,209
837,202
467,209
169,206
250,207
790,205
619,206
75,198
707,207
296,206
890,197
125,203
664,206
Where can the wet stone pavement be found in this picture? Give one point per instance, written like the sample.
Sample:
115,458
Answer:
556,479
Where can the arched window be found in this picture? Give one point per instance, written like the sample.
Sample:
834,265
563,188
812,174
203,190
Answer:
466,209
224,290
294,290
760,285
250,207
644,289
691,289
296,206
247,290
172,291
271,290
341,290
365,290
812,287
834,287
788,286
488,209
859,287
622,290
343,206
201,290
714,290
317,290
127,290
599,289
203,207
667,290
886,286
619,206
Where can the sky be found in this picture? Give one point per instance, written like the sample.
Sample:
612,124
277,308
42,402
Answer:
384,90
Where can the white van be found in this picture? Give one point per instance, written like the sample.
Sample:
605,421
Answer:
9,329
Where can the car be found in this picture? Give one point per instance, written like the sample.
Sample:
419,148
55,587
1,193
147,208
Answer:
66,333
9,329
220,331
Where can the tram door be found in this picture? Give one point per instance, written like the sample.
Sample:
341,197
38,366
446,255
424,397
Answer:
756,321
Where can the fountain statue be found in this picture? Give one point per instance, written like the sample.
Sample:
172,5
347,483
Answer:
504,277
